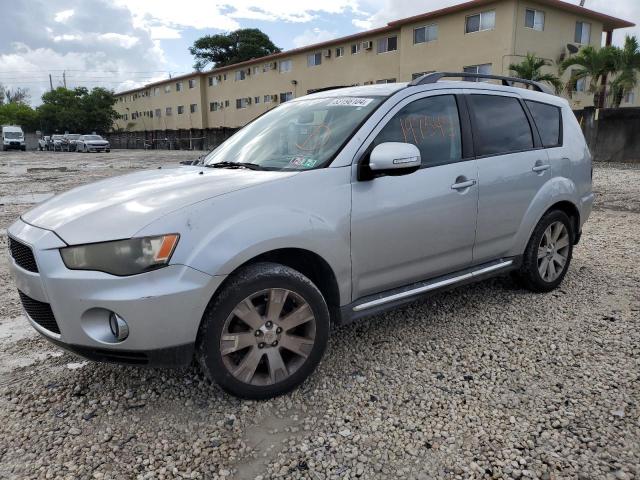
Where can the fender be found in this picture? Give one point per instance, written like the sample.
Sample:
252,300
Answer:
309,211
557,189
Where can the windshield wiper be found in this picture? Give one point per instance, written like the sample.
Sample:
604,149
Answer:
250,166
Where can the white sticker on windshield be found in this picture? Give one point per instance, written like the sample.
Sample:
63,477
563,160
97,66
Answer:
352,101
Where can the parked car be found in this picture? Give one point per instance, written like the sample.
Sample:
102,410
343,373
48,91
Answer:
13,138
328,208
56,142
44,142
69,141
92,143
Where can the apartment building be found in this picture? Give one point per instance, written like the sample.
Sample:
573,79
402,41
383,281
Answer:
483,36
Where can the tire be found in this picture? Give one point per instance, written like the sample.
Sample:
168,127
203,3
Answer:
257,284
535,273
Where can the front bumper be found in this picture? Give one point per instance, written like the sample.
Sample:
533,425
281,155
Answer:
162,308
14,145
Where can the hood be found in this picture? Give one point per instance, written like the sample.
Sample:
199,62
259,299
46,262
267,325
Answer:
119,207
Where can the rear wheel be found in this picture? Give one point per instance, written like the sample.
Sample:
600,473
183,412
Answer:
265,333
549,252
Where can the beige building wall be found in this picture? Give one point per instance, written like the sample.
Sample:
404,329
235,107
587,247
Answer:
265,82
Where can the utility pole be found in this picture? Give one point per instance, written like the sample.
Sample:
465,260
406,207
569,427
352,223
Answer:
50,82
64,78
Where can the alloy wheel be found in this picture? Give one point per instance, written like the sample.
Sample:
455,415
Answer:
268,336
553,251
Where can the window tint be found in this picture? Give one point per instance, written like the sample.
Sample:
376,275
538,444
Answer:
547,118
432,124
501,125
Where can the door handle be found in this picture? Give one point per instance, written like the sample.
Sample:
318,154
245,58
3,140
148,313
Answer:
463,185
540,168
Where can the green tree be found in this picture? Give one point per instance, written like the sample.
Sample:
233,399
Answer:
230,48
19,114
531,69
17,95
627,64
594,65
78,110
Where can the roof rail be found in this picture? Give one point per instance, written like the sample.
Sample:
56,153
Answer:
506,81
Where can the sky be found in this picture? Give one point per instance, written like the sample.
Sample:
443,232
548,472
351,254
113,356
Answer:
123,44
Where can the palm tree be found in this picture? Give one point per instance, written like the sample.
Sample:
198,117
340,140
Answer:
529,69
627,62
595,64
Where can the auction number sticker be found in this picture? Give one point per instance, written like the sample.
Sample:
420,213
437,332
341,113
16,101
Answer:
351,101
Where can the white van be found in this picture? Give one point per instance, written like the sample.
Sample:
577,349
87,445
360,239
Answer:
13,137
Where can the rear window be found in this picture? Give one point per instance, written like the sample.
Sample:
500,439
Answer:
501,125
548,120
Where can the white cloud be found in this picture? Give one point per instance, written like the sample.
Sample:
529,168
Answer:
315,35
66,38
63,16
162,32
125,41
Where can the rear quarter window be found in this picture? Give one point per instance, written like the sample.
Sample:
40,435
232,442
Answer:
548,120
500,124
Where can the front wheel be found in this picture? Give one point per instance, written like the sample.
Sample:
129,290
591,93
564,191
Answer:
265,333
549,252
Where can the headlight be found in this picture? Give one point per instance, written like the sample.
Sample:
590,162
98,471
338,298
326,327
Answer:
122,257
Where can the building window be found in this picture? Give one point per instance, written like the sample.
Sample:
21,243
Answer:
167,89
241,103
355,48
386,80
256,99
339,52
389,44
534,19
285,66
213,106
485,69
267,99
158,112
193,108
583,33
630,97
314,59
192,83
285,97
425,34
180,109
257,70
481,22
178,86
167,111
580,84
240,75
226,103
156,91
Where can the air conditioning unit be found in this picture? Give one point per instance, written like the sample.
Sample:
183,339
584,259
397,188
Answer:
327,53
248,100
274,98
367,45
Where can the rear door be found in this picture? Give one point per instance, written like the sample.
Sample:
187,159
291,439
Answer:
512,167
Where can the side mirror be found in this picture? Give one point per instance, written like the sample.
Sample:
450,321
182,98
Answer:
394,156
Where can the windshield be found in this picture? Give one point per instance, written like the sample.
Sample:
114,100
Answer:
56,137
298,135
12,135
73,137
92,137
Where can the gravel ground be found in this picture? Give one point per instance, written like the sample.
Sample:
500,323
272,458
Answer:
486,381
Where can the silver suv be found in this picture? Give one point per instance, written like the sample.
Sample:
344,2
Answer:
328,208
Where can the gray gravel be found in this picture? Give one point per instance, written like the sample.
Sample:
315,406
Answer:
487,381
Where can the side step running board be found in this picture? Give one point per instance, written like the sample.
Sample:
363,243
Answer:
435,285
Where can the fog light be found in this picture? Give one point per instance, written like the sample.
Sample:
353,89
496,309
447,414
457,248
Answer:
118,326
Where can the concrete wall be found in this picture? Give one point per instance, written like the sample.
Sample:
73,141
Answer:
612,133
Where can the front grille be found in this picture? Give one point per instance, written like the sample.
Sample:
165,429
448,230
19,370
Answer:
23,255
39,312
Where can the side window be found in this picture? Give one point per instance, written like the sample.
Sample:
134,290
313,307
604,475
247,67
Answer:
548,120
432,124
501,126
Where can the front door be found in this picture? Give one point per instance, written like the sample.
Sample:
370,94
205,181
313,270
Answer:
416,226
